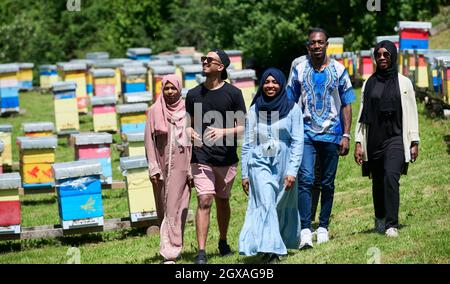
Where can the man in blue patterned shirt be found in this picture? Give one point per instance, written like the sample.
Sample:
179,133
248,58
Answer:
322,88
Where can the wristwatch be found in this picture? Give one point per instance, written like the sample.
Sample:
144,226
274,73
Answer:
347,136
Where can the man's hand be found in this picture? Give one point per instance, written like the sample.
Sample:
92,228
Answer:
344,146
289,182
213,134
245,185
414,152
194,136
358,154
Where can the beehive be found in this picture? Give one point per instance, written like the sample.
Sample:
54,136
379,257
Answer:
48,75
66,107
91,145
444,67
178,62
134,79
132,117
79,194
140,53
104,81
77,73
5,137
10,213
37,154
115,64
189,72
244,80
335,45
392,38
25,76
365,64
98,55
235,58
133,98
9,88
38,128
104,113
413,35
134,144
141,200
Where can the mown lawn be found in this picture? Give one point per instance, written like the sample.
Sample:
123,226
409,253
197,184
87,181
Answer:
424,213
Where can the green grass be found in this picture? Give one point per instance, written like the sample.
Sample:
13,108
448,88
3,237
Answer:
424,213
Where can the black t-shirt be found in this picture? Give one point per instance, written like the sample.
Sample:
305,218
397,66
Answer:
218,109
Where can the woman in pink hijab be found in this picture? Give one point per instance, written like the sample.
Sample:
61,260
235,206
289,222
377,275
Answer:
169,154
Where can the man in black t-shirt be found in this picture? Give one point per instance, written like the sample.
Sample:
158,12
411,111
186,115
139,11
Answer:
217,117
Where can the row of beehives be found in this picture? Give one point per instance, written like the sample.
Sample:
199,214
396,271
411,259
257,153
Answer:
79,194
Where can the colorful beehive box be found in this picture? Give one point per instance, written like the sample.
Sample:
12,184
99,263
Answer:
365,64
77,73
104,114
158,73
91,145
48,75
79,194
2,148
10,213
392,38
414,35
141,200
25,76
37,154
9,88
104,81
98,55
38,128
132,117
134,144
6,138
178,62
149,65
66,107
431,64
89,80
134,79
140,53
235,58
244,80
133,98
335,45
444,68
115,64
189,72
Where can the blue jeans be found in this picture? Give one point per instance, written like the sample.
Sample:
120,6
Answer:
328,155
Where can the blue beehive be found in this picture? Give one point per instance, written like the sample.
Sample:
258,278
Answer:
132,117
140,53
134,79
9,88
79,193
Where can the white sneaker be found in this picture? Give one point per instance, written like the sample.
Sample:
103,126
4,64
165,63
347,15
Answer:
305,239
322,235
392,233
380,225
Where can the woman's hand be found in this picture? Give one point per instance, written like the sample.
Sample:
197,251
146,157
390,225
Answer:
414,152
358,154
245,185
190,181
289,182
154,179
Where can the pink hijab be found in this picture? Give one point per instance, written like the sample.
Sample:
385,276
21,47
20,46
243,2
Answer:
173,114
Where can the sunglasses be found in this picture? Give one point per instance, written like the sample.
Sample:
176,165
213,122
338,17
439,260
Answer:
209,60
385,55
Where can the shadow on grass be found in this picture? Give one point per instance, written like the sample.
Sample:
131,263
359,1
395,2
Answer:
51,200
447,141
373,231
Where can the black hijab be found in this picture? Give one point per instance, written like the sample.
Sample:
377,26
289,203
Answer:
280,102
382,90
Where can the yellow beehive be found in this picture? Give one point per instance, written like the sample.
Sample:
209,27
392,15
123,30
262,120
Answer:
134,144
35,156
104,113
77,73
132,118
66,107
335,45
5,137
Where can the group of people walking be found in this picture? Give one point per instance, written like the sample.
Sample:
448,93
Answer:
290,126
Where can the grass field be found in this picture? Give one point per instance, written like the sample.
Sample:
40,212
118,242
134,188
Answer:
424,212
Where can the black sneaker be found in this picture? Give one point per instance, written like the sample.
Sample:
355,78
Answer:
201,258
224,248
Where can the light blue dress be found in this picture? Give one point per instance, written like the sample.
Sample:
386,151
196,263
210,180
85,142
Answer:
269,153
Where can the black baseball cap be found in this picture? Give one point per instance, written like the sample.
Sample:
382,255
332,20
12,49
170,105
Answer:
225,61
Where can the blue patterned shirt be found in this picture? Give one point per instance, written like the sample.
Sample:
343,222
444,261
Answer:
321,96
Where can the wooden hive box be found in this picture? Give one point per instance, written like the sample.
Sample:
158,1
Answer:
114,64
66,107
38,128
335,45
77,73
134,79
91,145
37,154
104,82
132,117
244,80
48,75
79,194
140,53
141,199
414,35
25,75
10,213
6,138
9,88
134,144
104,113
365,64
